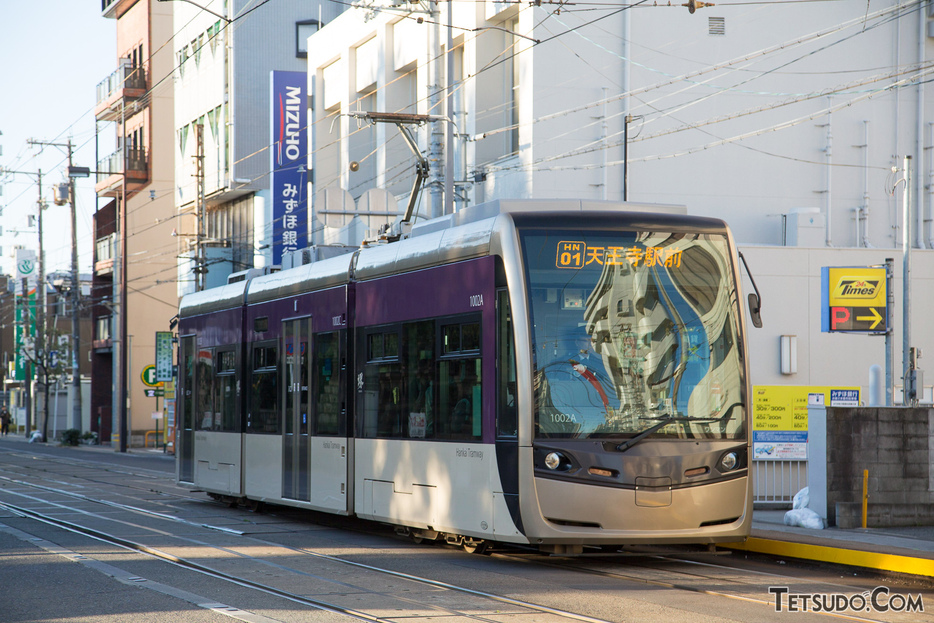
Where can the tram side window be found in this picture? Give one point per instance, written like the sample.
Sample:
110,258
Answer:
186,381
327,373
204,378
382,386
225,392
459,382
506,409
263,414
420,381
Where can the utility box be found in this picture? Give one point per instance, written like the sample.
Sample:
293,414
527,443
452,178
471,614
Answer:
804,227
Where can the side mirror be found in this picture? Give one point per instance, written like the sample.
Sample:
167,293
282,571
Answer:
754,309
755,305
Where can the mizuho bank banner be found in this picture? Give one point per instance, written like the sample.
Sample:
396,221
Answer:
289,143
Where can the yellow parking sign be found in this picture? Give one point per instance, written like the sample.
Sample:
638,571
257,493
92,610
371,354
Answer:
856,299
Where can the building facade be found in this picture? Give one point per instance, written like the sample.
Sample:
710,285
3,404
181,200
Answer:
224,53
791,121
135,252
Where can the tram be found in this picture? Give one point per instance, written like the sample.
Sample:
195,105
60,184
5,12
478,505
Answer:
553,373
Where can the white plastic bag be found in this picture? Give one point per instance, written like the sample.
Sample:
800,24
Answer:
804,518
802,499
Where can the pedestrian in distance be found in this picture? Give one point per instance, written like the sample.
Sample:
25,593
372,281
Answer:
4,421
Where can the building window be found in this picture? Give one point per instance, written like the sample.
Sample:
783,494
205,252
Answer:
303,30
102,329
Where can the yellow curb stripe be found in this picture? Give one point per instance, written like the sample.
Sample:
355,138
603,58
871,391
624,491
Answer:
822,553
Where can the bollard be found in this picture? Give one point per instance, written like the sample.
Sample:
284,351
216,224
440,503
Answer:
865,496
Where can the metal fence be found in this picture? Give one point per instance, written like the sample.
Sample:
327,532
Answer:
776,482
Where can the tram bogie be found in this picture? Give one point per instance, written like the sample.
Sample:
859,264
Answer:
557,374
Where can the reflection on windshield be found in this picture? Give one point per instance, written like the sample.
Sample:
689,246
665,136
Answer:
630,328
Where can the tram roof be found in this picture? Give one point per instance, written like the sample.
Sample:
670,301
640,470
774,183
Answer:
466,234
215,299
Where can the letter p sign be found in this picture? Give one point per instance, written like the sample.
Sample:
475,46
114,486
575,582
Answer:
839,317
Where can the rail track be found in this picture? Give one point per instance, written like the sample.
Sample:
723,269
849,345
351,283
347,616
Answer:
373,575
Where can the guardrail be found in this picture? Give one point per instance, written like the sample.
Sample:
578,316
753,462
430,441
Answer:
152,432
776,482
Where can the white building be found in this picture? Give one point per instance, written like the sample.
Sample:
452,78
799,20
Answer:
224,54
788,120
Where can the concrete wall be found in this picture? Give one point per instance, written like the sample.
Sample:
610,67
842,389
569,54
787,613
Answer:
789,279
894,445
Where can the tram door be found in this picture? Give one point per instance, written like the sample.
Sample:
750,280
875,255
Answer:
331,457
295,447
185,424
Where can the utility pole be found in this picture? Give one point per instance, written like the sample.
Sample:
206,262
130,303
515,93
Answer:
911,376
41,357
123,408
27,364
75,288
449,113
435,131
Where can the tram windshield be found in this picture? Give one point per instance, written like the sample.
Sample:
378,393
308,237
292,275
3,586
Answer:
634,332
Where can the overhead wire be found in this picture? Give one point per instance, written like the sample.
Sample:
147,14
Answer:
628,6
583,149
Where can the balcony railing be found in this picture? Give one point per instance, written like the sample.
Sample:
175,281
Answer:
136,162
125,77
105,247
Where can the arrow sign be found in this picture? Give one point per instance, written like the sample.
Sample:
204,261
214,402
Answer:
874,319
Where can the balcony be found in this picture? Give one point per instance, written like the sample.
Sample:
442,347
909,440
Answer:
103,340
107,4
109,7
110,172
126,84
104,257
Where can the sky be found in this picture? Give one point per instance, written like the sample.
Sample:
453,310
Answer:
54,52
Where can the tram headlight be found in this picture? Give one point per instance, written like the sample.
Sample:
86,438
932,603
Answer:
553,460
728,461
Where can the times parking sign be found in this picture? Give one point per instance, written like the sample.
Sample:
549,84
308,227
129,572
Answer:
854,300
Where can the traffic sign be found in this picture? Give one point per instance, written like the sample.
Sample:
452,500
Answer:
855,299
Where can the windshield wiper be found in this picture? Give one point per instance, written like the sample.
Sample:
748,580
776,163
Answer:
665,421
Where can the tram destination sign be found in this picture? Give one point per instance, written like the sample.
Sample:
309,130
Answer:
854,300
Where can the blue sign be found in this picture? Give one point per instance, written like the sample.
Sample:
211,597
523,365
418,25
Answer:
777,445
844,398
779,436
289,158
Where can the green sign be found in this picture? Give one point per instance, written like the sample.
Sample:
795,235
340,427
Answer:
25,327
149,376
163,356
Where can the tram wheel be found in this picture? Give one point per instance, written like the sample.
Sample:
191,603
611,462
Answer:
475,546
255,506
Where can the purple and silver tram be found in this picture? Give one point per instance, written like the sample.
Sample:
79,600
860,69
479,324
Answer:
555,373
